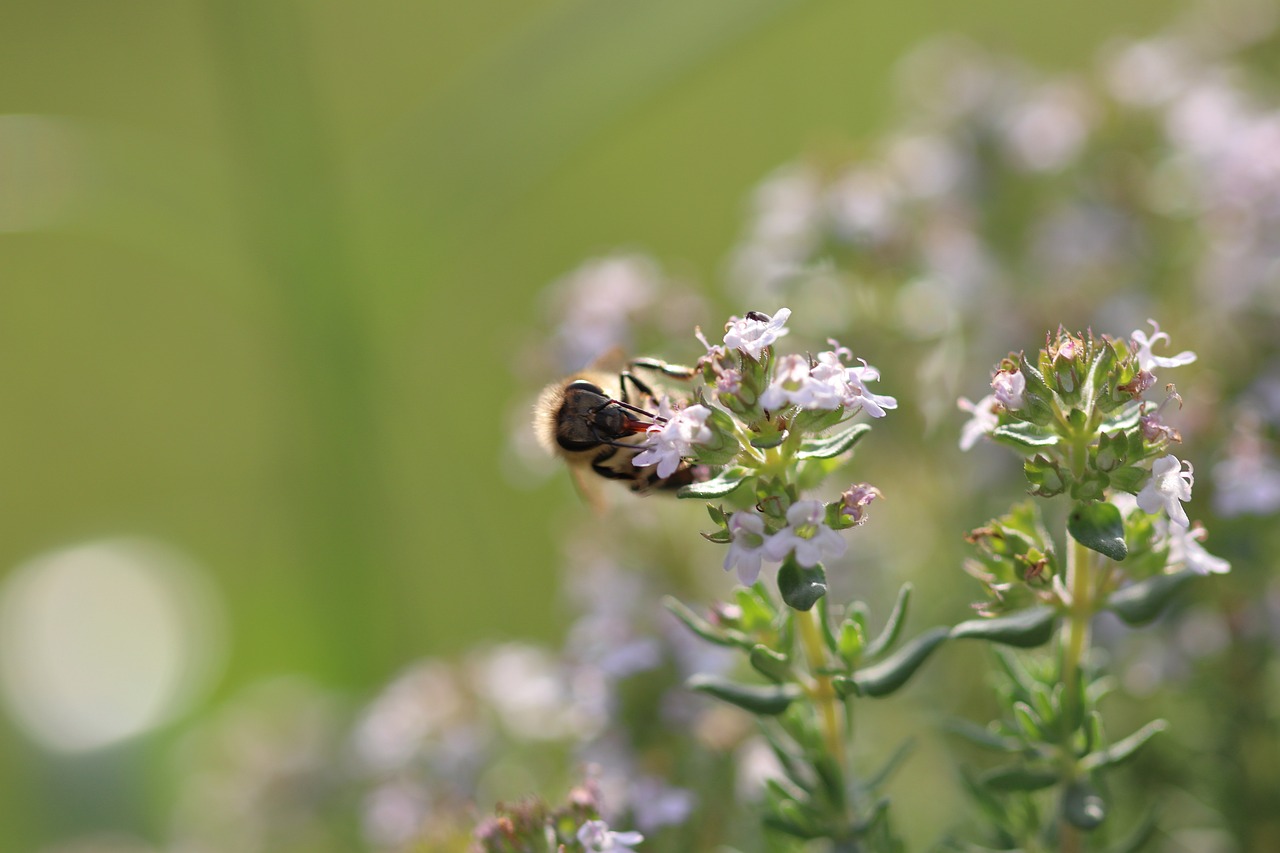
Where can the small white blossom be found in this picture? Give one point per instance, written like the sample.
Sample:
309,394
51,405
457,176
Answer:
748,545
796,383
1185,550
984,420
596,837
807,535
751,336
1168,486
1009,387
857,393
668,443
1147,360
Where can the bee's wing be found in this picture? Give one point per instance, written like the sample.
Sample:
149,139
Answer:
590,488
611,361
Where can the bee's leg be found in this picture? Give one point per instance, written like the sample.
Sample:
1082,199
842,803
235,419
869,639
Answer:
675,371
604,470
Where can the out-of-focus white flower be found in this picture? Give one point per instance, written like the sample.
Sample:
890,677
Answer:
655,804
1168,487
596,304
807,535
1185,550
1009,386
596,837
1248,480
1046,131
751,334
668,443
415,706
983,421
747,548
864,205
1148,72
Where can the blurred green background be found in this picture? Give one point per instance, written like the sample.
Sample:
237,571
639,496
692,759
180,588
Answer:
264,267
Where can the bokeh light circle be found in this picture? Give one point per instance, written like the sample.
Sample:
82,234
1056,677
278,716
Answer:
104,641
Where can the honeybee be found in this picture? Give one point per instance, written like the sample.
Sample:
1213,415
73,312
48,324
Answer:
588,419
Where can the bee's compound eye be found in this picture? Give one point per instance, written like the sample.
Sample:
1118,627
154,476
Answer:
582,385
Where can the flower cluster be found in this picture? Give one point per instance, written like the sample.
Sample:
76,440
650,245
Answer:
1079,415
762,418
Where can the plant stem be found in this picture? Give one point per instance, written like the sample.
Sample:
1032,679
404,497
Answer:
1075,645
821,690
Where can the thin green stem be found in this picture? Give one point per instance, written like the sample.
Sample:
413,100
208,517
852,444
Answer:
1075,645
821,688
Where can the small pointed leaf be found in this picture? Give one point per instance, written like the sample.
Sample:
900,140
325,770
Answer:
830,446
981,735
1019,777
888,675
892,627
1026,436
1141,602
772,665
702,627
801,587
1024,629
1123,750
1098,526
718,486
763,699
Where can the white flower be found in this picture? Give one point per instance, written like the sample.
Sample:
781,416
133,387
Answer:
1147,360
807,535
1185,550
596,837
747,548
1009,387
857,393
984,421
796,383
668,443
751,334
1169,485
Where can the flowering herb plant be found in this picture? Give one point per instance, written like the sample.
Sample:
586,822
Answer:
1077,415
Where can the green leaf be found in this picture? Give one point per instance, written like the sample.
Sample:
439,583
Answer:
1122,750
702,627
892,627
1139,603
1024,629
801,587
1031,724
1082,805
886,677
772,665
830,446
1099,527
1126,420
981,735
1026,436
1019,777
764,699
718,486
